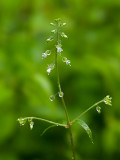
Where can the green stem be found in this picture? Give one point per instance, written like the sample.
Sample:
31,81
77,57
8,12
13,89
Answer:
63,102
45,120
87,110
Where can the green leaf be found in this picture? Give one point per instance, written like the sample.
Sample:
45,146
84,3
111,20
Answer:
87,129
47,129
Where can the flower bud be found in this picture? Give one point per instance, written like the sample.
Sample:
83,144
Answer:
50,39
107,100
98,109
50,67
52,24
54,31
31,124
64,59
61,94
63,24
64,35
22,121
52,97
47,53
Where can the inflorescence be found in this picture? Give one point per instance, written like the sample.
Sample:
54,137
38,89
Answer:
22,122
56,33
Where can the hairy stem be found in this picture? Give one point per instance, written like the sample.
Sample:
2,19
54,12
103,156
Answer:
87,110
62,99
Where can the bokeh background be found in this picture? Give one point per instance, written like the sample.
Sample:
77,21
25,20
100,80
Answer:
93,46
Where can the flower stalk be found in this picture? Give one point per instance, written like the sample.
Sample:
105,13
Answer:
62,98
23,120
87,111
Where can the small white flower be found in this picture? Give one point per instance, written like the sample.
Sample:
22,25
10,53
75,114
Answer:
50,39
64,24
59,49
64,35
52,97
54,31
66,61
52,24
50,67
61,94
31,124
44,55
47,53
98,109
49,70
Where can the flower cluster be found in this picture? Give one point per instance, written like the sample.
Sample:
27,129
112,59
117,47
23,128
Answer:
107,100
22,122
56,32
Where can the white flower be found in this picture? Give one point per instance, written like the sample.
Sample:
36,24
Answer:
49,70
47,53
66,61
59,49
44,55
52,24
50,67
50,39
61,94
64,24
54,31
64,35
31,124
52,97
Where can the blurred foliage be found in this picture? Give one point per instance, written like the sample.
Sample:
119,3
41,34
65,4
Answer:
93,46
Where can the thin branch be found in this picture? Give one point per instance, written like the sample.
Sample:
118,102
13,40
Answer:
87,110
45,120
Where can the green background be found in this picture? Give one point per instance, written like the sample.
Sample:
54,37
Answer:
93,46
